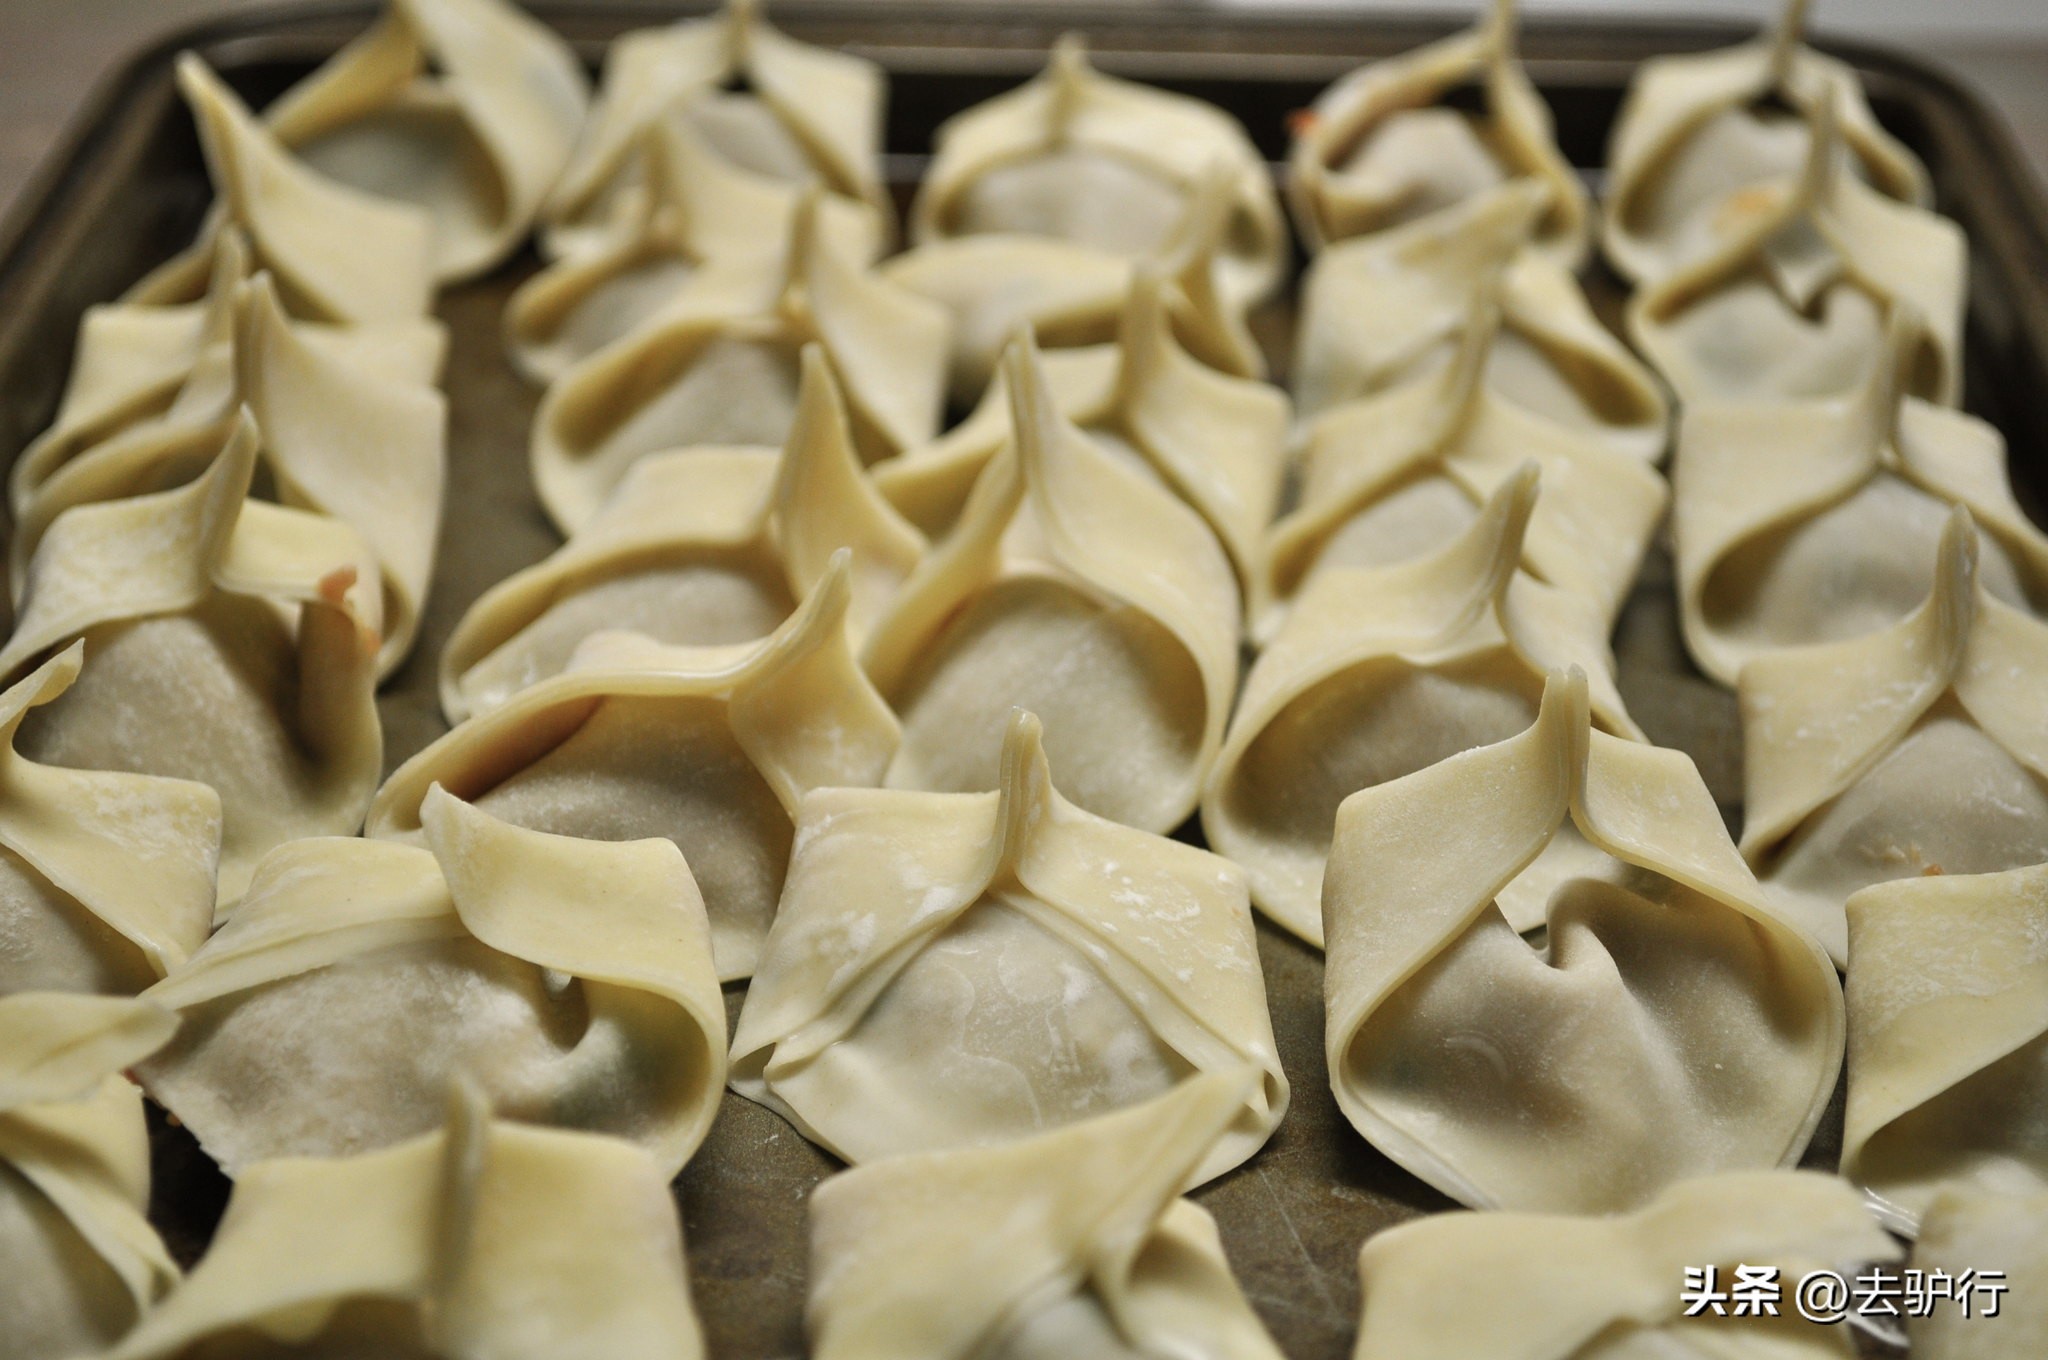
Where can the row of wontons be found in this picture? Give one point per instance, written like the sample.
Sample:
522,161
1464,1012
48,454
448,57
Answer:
854,1069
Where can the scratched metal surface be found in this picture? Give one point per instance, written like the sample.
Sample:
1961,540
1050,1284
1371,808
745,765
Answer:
130,190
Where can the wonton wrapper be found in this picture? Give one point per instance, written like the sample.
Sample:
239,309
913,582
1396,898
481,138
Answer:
1672,1024
711,747
1919,749
1072,1243
952,970
1393,477
712,371
1380,149
1082,590
1390,309
1108,164
338,254
570,979
1973,1233
467,109
1216,441
694,548
1948,1039
769,105
700,227
1070,294
484,1240
106,879
1799,522
342,433
143,369
1381,672
83,1263
1609,1288
227,641
1699,134
1793,300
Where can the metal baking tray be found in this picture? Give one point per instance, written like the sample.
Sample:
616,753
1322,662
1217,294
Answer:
128,189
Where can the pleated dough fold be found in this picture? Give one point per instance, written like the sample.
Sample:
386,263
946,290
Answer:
1672,1025
1070,1243
1395,476
1919,749
483,1240
1792,300
1969,1235
958,970
710,747
337,253
712,370
1086,158
1808,521
1382,148
1382,671
1609,1288
699,548
467,109
83,1262
106,879
1948,1039
1388,309
1700,133
227,641
1083,590
343,432
570,979
1072,294
699,227
1216,441
769,105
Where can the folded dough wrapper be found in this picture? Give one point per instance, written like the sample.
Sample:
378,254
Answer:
1380,672
338,254
483,1240
83,1262
1699,133
1072,294
1810,521
227,641
340,435
699,548
764,102
958,970
108,876
1794,299
1217,441
1379,149
1566,1288
1086,158
699,226
1396,476
571,980
1918,749
1387,309
1948,1039
467,109
1083,590
1672,1023
1068,1243
709,747
1983,1233
712,370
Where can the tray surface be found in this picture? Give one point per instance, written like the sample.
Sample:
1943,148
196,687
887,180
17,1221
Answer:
130,190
